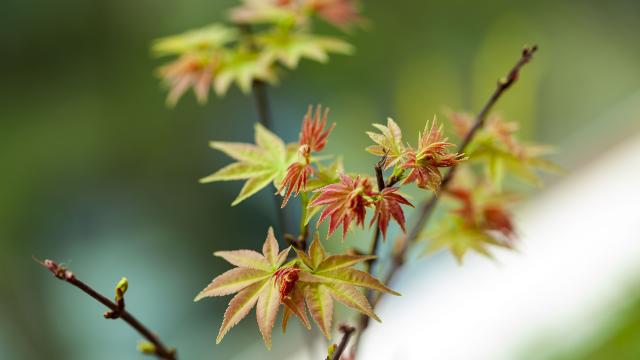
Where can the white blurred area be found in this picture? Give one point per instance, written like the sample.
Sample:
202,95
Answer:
580,251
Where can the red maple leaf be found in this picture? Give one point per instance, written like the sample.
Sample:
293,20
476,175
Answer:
296,179
313,136
188,71
485,216
387,207
345,202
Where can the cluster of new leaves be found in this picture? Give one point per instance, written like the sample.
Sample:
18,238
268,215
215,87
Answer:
497,147
217,56
422,163
344,201
347,201
480,217
310,282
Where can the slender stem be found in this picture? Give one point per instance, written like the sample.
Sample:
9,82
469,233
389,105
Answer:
263,109
347,331
117,310
376,232
426,209
261,100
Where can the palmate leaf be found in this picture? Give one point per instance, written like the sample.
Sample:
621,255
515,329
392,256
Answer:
243,67
289,47
260,164
500,162
388,141
480,221
202,41
459,240
255,282
497,146
324,278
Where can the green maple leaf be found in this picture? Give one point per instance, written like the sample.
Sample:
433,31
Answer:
388,141
501,161
290,47
243,66
204,40
254,281
261,163
324,278
455,236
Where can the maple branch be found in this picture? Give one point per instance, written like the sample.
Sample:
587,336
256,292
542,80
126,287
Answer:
264,114
426,210
347,331
117,311
376,232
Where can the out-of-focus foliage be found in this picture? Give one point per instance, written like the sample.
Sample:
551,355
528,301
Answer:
218,56
497,146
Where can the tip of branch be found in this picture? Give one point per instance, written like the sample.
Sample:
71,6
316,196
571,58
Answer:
347,329
528,51
57,270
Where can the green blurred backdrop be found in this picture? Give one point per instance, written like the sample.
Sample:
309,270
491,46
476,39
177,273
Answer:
99,174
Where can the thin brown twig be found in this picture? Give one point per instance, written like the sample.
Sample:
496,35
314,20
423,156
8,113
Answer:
378,168
426,210
264,114
347,331
117,310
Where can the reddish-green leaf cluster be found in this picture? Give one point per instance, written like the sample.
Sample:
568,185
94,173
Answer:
479,220
312,281
313,138
218,56
432,153
346,202
387,206
423,164
497,146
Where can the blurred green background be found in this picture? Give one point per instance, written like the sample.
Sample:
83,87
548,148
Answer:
97,173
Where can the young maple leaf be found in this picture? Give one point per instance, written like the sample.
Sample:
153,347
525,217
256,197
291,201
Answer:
313,134
480,220
497,146
256,281
289,47
295,181
388,206
199,58
388,142
243,66
188,71
313,138
431,155
323,278
345,202
204,41
260,164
